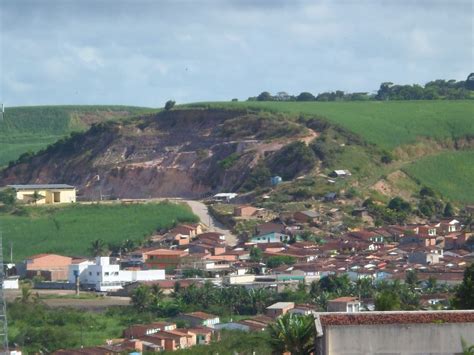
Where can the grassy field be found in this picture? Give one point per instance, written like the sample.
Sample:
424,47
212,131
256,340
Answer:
69,230
24,129
388,124
450,173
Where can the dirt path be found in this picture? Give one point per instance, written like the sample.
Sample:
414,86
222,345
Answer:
201,210
198,208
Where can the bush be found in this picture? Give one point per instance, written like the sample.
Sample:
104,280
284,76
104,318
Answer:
169,105
275,261
292,160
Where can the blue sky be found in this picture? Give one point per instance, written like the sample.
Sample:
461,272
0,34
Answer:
139,52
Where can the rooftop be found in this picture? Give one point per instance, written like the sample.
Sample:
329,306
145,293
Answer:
280,305
41,186
409,317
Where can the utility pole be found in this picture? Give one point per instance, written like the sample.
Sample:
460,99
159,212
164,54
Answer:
3,305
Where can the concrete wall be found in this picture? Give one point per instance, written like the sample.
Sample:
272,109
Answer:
397,339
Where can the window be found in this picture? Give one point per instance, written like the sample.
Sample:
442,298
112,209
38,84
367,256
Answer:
98,273
106,274
90,273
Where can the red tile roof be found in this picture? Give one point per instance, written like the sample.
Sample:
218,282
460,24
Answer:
397,317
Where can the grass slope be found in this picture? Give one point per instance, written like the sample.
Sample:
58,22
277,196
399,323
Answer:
387,124
450,173
24,129
70,229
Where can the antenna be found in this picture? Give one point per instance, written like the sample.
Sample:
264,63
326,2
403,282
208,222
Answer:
3,305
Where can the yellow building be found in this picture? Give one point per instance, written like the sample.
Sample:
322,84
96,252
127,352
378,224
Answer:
45,194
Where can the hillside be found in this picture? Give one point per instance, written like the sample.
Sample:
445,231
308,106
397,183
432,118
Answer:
184,153
199,149
388,124
29,129
69,230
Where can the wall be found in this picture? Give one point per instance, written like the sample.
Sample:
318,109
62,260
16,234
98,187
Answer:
394,339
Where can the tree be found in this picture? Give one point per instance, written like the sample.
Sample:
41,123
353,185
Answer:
97,248
448,210
305,96
36,197
293,333
464,298
400,205
265,96
411,279
387,301
169,105
142,298
7,196
255,254
275,261
27,296
470,82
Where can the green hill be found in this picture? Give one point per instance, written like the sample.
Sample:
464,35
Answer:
387,124
70,229
29,129
450,173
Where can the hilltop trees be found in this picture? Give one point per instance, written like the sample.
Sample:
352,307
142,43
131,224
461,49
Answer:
169,105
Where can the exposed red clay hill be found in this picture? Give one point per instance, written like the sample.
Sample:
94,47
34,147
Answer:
176,153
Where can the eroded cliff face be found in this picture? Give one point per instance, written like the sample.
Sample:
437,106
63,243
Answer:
180,153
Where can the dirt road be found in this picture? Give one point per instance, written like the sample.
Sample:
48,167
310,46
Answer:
200,210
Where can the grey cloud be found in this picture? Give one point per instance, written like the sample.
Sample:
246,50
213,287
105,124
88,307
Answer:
144,52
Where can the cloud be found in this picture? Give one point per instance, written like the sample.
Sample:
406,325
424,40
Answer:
144,52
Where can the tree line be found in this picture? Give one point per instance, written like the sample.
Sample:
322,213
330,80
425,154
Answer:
433,90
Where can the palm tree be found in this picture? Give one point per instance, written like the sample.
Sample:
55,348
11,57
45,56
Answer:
293,333
97,247
27,296
466,348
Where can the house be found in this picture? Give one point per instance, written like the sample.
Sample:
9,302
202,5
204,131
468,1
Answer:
245,211
340,173
163,258
139,330
225,196
306,216
279,309
344,304
425,256
190,230
270,238
399,332
45,194
105,276
51,267
200,319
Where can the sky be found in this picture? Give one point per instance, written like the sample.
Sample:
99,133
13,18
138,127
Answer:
140,52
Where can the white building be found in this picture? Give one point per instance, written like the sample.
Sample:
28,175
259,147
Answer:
105,276
11,283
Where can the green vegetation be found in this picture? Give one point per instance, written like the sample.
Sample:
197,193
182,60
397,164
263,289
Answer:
71,229
464,298
293,333
449,173
29,129
386,123
37,327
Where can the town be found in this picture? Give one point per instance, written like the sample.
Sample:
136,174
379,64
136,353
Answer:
281,264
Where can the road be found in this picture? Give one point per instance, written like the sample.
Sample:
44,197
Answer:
200,210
